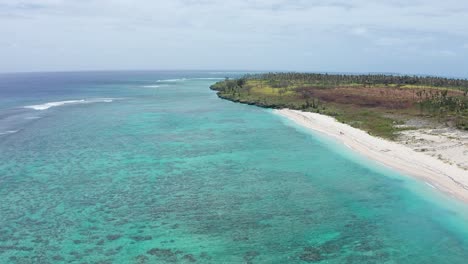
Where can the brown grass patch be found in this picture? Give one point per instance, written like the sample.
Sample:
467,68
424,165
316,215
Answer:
386,97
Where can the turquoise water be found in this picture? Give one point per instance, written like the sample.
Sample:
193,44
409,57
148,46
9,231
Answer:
165,172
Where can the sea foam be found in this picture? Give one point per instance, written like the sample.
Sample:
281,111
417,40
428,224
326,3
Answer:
8,132
172,80
48,105
213,78
185,79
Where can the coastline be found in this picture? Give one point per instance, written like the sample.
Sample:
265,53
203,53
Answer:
445,177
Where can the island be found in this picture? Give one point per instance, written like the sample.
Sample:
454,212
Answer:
415,124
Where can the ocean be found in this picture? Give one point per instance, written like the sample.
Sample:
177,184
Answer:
152,167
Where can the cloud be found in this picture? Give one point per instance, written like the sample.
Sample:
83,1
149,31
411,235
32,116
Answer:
402,39
215,34
359,31
448,53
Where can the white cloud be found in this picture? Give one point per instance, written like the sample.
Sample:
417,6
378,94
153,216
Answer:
359,31
402,39
448,53
208,33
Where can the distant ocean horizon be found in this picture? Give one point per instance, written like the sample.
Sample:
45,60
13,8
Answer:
238,72
152,167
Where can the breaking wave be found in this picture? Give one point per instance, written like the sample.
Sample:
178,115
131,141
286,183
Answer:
8,132
48,105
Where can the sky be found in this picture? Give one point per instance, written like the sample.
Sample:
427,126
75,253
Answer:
394,36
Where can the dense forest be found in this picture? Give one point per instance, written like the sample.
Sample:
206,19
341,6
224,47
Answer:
374,102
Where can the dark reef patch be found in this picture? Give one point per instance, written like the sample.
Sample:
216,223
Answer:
189,258
250,256
165,254
311,254
141,238
113,237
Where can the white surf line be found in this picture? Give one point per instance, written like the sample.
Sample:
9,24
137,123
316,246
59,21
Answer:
45,106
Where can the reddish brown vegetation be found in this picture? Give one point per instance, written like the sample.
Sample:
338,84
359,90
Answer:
386,97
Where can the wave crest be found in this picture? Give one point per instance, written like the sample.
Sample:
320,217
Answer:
8,132
211,78
48,105
172,80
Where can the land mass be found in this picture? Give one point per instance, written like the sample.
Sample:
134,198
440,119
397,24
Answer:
418,125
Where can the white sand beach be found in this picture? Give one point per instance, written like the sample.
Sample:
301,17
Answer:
439,158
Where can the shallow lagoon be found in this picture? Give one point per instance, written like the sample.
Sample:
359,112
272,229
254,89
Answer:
169,173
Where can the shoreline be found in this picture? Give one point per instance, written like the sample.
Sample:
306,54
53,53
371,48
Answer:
444,177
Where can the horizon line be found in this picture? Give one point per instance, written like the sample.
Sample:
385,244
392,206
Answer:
232,70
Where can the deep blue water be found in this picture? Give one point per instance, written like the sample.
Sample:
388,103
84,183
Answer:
152,167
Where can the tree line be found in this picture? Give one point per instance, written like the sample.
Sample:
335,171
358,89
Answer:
280,80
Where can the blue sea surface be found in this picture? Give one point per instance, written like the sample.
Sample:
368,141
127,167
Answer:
152,167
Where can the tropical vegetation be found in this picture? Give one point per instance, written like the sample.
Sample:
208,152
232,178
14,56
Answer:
377,103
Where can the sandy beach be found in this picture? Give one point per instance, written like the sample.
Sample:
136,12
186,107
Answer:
437,157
